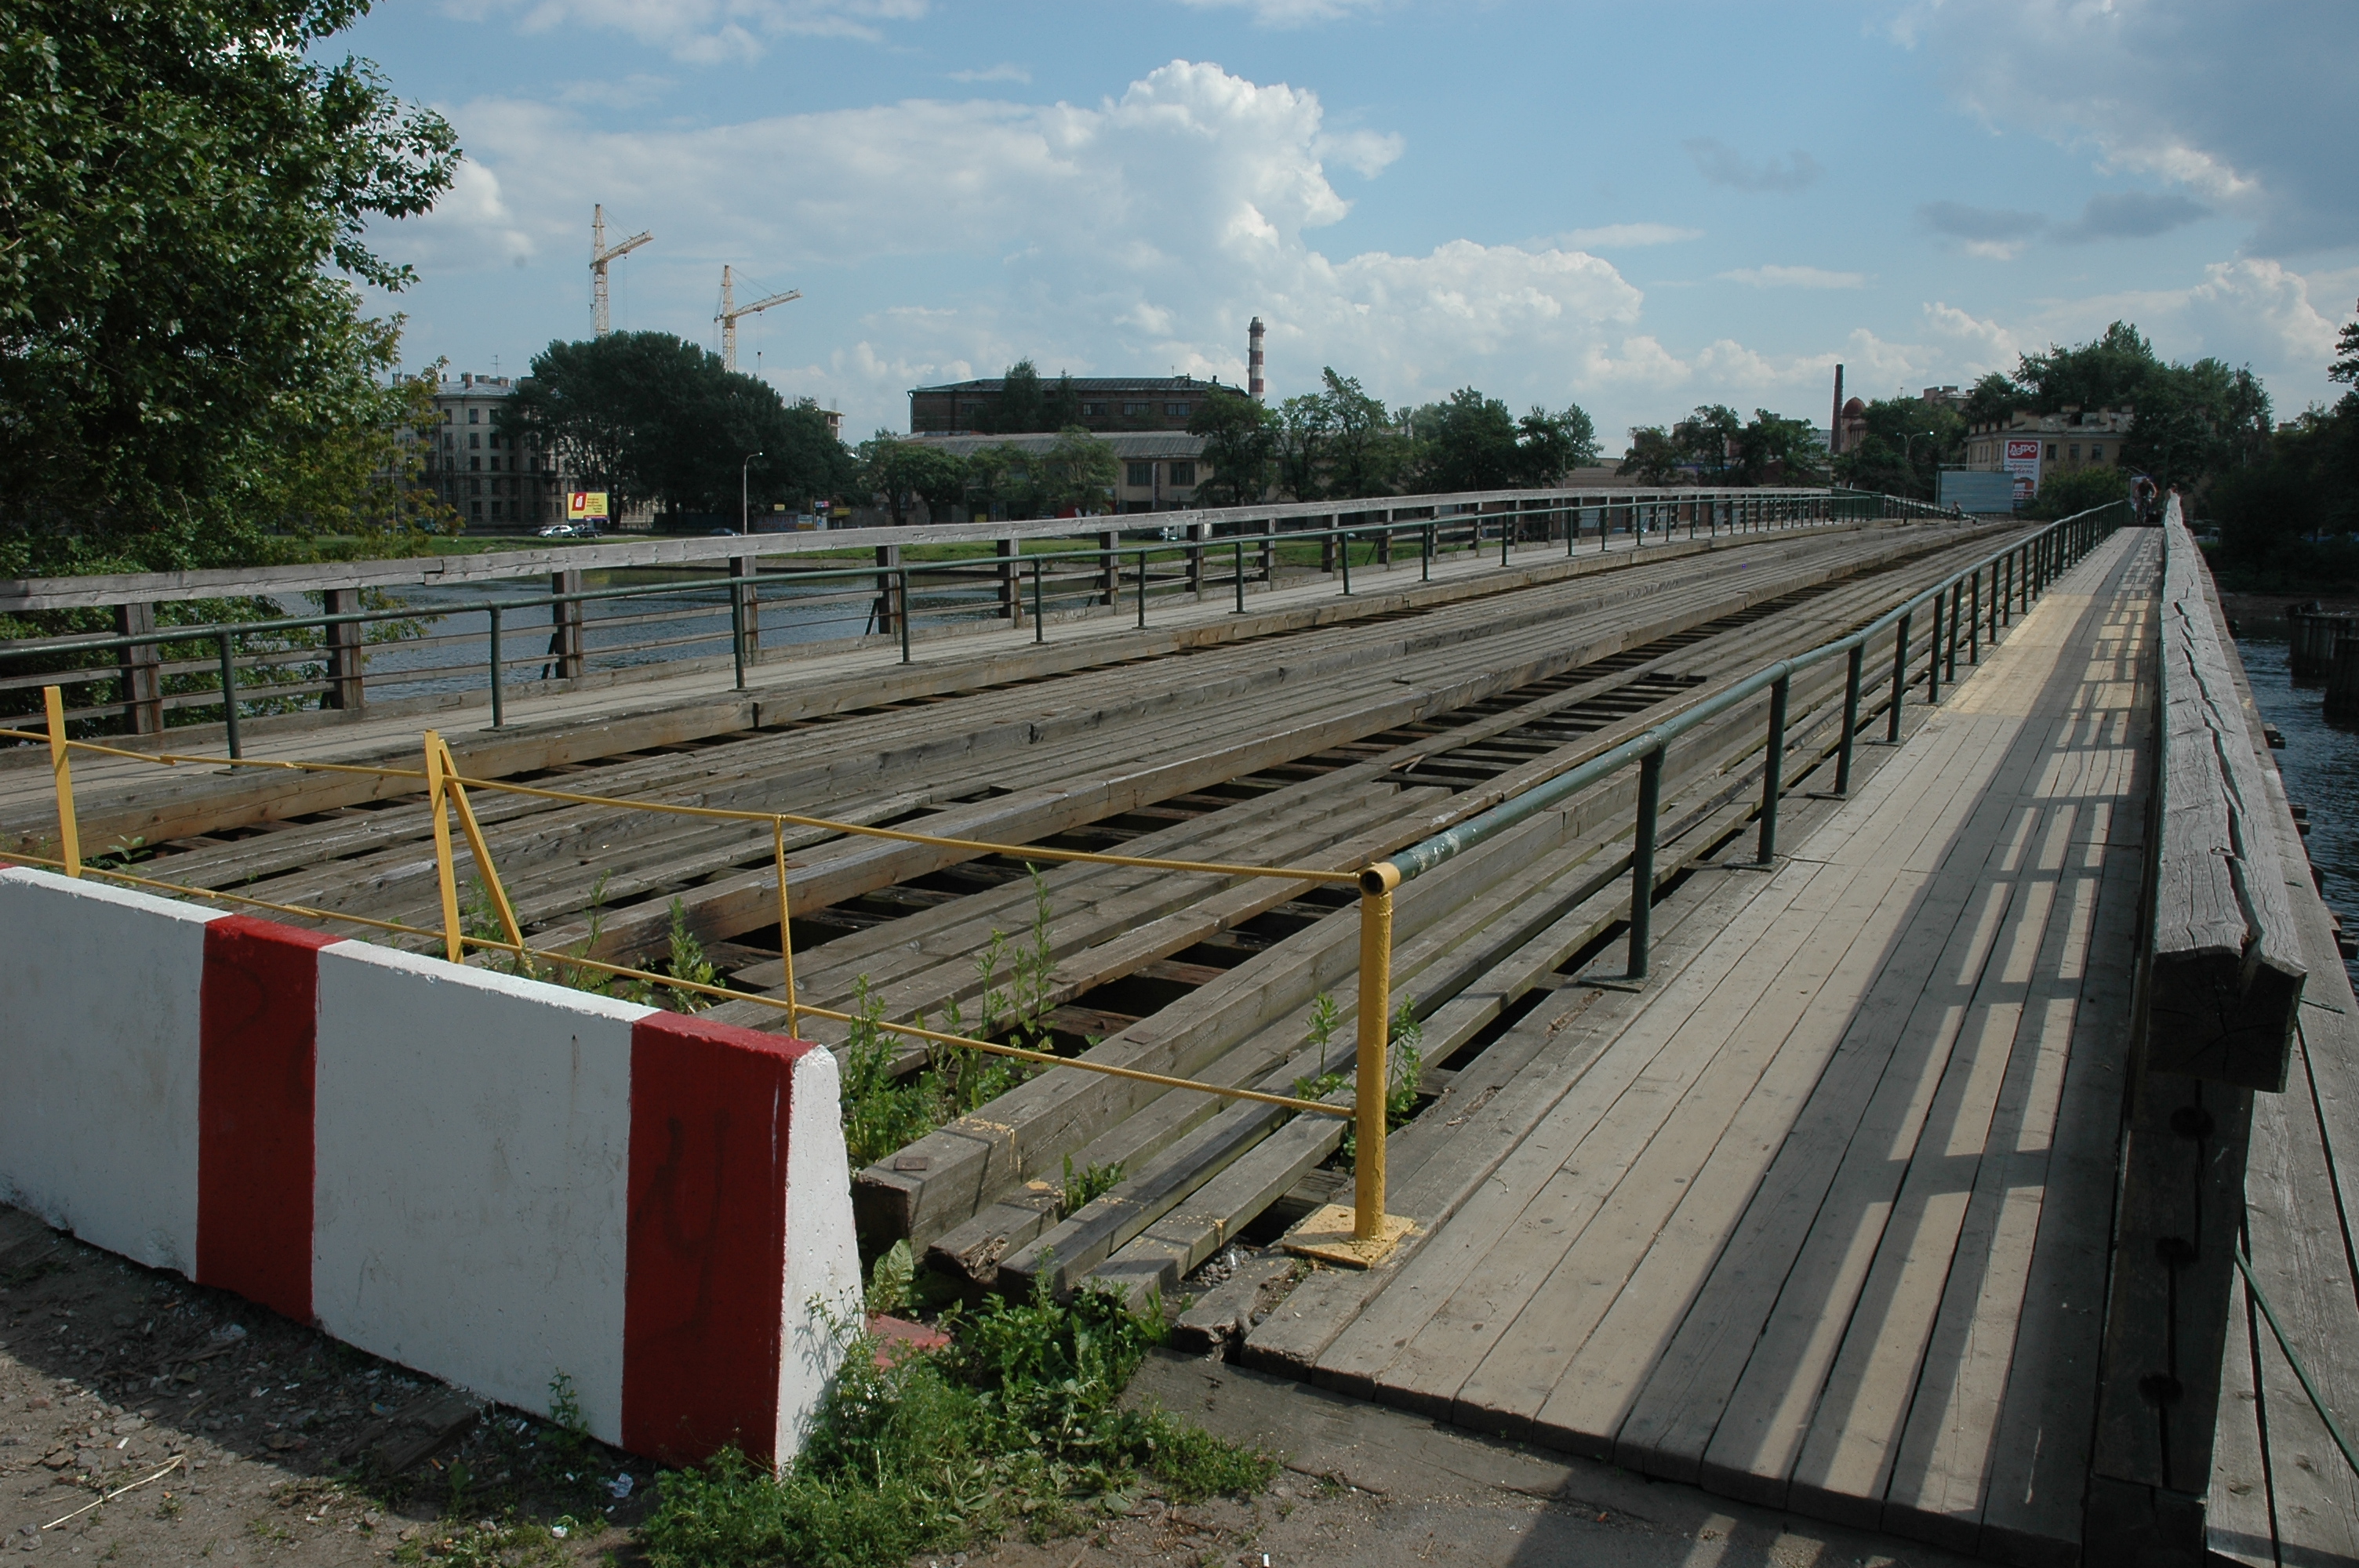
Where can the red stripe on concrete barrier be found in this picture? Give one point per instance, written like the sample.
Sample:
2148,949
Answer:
704,1314
257,1055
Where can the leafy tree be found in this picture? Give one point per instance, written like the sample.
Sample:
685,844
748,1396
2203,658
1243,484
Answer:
1018,410
1306,427
651,417
1786,450
1077,473
1901,452
2105,373
1991,399
182,369
2079,491
1060,406
1550,446
1653,456
1366,450
1707,441
1467,443
906,472
1240,446
999,482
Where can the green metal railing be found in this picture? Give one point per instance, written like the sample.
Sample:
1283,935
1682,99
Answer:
2017,575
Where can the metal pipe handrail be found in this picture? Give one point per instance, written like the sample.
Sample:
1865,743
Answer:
2040,555
207,630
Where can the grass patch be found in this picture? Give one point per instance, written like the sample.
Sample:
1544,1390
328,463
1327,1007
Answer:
1016,1425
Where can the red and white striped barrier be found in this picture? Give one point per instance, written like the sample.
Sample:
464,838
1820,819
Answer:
493,1181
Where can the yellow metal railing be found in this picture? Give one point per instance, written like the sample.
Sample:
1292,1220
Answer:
1372,1231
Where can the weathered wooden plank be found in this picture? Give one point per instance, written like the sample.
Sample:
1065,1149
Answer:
2227,968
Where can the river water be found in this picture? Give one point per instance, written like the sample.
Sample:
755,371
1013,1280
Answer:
2321,764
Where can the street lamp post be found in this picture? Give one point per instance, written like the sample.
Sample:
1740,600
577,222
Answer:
744,504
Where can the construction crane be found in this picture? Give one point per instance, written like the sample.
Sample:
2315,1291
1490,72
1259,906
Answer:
600,254
731,310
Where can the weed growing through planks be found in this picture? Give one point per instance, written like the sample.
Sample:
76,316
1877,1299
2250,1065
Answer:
1404,1068
890,1280
1016,1423
882,1110
1036,965
684,960
1090,1182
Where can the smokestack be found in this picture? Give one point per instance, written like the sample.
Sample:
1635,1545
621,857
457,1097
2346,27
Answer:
1835,426
1254,382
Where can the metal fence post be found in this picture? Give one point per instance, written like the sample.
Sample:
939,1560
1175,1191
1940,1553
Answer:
1424,553
499,703
1933,654
1507,536
1974,619
1854,665
1772,770
1899,680
1345,540
1371,1092
1642,861
1957,602
53,704
902,585
1040,621
1240,610
229,691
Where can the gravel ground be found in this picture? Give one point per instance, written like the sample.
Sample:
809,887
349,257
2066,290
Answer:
248,1439
237,1438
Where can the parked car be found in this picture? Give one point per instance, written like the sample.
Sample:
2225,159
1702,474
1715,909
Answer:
556,531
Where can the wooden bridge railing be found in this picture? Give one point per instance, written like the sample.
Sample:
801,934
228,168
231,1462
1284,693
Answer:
2220,980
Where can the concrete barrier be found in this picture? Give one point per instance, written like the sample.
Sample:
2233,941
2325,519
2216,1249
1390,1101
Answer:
493,1181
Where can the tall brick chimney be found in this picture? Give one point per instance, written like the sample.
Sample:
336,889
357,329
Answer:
1254,382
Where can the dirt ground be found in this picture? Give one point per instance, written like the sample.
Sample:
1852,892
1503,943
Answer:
144,1421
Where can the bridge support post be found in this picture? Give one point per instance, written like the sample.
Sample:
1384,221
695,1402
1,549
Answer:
1975,620
342,640
1011,604
1196,535
746,573
567,649
1109,572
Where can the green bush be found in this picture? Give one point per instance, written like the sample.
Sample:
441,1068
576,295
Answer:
1018,1419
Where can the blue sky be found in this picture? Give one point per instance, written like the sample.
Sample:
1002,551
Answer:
1634,208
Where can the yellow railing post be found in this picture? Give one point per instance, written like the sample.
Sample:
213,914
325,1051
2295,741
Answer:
785,936
483,852
453,941
1375,1032
53,703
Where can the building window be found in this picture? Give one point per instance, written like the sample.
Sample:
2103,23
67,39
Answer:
2074,451
2096,454
474,415
1093,410
495,509
1134,408
1183,475
474,441
476,465
474,487
1178,410
2051,451
476,508
1139,476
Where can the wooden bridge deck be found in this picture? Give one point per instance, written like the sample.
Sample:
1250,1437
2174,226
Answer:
1824,1224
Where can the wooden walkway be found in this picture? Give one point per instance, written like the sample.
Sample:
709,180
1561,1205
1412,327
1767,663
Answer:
1824,1225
